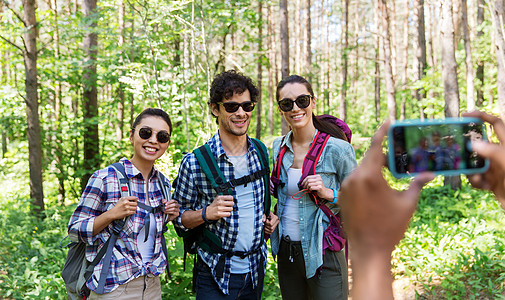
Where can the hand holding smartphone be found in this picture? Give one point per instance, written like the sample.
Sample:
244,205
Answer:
441,146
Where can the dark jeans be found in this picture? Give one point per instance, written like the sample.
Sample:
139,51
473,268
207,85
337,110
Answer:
240,286
330,283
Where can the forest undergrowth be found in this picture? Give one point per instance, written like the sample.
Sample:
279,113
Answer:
453,249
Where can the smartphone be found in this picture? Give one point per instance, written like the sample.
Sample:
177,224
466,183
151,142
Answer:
441,146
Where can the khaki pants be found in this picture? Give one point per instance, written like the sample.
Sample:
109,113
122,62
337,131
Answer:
147,288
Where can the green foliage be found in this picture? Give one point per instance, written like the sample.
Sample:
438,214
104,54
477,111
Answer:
454,246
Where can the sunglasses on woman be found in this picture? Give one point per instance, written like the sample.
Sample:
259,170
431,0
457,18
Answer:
232,107
301,101
146,132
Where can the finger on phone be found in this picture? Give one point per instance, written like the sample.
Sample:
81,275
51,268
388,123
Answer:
491,151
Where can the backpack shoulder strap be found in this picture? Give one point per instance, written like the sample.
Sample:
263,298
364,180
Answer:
106,251
164,186
209,166
263,154
276,172
313,155
124,182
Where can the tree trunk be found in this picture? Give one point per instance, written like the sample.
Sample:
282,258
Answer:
260,69
420,51
120,88
480,62
91,160
343,94
284,50
449,74
394,43
271,57
499,34
308,38
295,39
470,89
386,45
32,106
58,153
377,77
405,59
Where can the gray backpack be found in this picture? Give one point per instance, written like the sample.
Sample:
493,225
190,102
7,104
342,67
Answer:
78,270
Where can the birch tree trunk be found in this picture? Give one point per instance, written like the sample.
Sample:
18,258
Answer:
91,160
390,85
449,74
32,106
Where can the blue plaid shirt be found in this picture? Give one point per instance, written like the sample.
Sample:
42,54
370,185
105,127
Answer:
193,190
101,194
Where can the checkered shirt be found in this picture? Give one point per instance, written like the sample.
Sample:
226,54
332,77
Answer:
193,190
101,194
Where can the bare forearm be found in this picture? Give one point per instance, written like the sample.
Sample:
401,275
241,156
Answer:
372,277
192,218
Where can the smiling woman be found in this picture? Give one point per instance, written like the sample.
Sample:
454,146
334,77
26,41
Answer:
300,238
137,259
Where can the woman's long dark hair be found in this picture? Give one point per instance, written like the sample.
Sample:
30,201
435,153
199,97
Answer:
322,125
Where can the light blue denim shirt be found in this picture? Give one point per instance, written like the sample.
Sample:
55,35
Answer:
336,162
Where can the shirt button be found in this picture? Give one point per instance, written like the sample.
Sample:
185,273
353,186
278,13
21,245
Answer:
300,201
301,219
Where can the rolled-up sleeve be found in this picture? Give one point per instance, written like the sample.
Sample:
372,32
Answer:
80,227
347,162
185,190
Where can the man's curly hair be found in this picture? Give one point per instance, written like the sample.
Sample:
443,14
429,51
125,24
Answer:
231,82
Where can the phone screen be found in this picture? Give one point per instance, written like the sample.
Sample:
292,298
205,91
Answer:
439,148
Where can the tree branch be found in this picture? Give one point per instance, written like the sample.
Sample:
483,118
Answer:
12,43
14,12
45,45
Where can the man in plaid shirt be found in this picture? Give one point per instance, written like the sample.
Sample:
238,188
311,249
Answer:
237,219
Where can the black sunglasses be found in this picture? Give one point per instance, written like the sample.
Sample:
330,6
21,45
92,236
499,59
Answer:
162,136
232,107
301,101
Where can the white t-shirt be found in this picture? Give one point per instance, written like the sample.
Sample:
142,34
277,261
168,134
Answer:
290,214
245,203
146,248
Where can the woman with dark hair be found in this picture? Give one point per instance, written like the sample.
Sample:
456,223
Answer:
137,258
304,272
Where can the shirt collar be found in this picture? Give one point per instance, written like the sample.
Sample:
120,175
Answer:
216,146
132,171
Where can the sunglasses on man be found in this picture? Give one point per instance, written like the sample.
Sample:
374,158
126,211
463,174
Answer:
162,136
302,101
232,107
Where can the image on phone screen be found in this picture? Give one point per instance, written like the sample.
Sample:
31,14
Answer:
437,148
